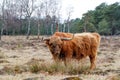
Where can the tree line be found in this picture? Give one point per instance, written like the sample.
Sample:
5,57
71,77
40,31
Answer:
25,17
41,17
105,19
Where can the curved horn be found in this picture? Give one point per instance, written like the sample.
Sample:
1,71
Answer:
46,39
68,38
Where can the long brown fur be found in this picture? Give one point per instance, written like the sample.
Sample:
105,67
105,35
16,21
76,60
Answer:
81,46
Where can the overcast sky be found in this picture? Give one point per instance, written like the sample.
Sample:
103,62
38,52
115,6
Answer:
82,6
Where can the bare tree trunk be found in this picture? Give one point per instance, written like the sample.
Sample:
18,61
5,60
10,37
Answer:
85,28
52,28
64,27
28,9
13,32
28,31
68,27
3,18
46,26
69,12
57,28
38,30
1,33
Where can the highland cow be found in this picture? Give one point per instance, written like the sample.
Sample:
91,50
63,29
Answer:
66,46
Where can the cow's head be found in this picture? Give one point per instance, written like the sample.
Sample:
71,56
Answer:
55,44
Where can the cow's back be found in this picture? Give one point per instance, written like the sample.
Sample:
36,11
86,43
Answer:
91,36
89,40
62,34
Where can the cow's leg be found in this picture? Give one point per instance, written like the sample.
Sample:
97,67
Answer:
67,59
65,62
92,61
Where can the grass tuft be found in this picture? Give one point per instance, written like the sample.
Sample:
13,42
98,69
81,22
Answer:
53,68
35,67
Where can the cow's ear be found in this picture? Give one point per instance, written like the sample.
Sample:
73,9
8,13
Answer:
47,42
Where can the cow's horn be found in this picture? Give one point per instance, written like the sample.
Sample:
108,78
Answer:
68,38
46,39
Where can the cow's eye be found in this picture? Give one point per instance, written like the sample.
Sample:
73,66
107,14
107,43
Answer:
52,46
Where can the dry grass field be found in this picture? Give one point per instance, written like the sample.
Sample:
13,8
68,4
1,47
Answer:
22,59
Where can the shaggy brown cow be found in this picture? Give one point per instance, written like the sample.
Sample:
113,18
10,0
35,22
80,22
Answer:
77,47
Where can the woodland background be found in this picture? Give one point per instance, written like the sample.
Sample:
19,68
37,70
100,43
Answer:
32,17
25,57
